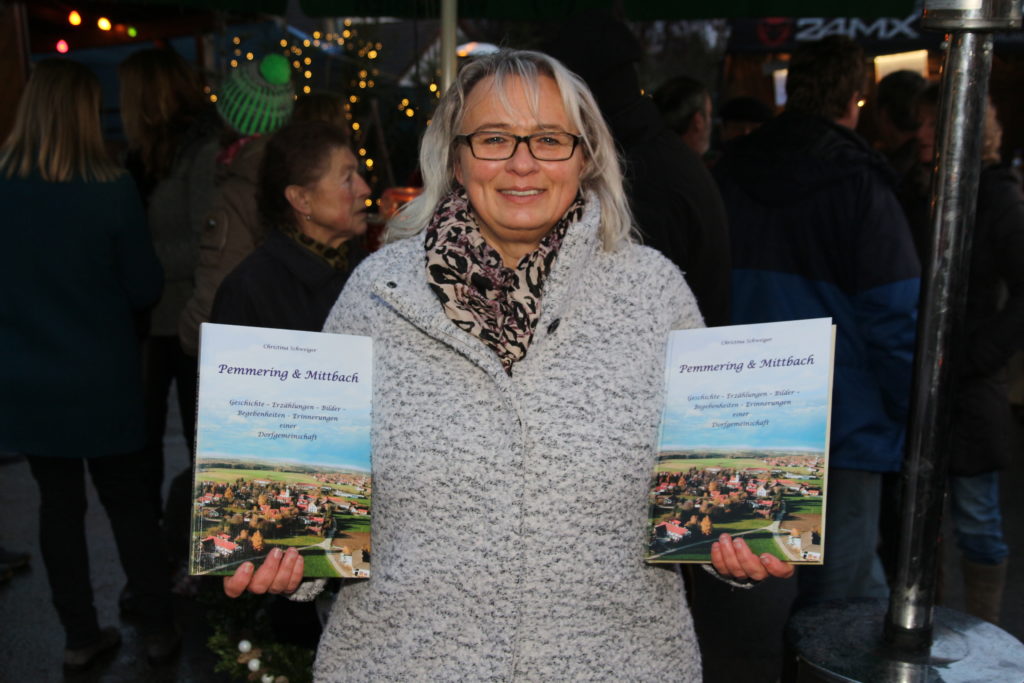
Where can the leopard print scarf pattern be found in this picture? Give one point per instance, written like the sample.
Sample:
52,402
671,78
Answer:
498,305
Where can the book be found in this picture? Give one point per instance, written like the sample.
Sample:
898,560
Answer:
743,447
282,450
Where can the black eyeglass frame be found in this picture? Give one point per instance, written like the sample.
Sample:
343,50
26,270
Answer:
465,139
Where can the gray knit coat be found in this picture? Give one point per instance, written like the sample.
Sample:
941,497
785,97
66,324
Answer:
510,513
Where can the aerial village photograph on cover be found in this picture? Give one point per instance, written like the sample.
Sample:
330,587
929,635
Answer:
744,442
283,455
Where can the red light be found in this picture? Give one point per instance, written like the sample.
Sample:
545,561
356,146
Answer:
62,46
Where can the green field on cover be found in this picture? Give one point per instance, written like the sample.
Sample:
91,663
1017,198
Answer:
297,540
352,523
227,475
803,505
317,564
759,542
670,464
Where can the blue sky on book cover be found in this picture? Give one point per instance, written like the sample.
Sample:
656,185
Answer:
736,381
232,422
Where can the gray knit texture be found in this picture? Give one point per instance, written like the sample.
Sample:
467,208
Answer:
510,513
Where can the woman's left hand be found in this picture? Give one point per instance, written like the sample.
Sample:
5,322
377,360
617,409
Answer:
732,558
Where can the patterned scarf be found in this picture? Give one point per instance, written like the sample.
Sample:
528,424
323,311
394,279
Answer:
336,257
497,304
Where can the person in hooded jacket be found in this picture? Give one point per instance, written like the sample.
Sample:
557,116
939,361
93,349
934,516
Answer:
982,423
817,231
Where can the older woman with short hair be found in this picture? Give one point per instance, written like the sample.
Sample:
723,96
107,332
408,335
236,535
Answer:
519,348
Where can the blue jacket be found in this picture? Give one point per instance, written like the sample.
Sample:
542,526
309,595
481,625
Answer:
817,231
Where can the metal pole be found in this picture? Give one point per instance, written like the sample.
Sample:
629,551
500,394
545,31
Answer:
909,621
449,13
954,191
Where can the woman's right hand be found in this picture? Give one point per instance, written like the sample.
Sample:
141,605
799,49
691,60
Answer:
281,572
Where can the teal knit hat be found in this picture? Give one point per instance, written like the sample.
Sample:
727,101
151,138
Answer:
257,97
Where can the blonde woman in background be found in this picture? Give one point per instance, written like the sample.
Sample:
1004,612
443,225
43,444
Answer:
76,267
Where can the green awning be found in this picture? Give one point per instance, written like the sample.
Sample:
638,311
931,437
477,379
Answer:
636,10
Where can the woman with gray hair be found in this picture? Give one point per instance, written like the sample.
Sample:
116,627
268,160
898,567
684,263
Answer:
519,347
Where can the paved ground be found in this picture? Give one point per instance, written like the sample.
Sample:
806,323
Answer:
740,631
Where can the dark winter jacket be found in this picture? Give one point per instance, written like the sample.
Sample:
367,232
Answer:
993,323
817,232
676,205
76,264
282,285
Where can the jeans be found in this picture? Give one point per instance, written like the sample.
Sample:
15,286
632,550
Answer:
130,505
852,567
976,519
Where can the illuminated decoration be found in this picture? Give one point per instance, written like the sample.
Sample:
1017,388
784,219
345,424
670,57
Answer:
284,43
372,54
306,89
308,74
234,63
62,46
316,34
307,61
75,19
369,202
916,61
355,125
103,23
433,87
369,163
409,112
132,32
236,40
362,151
296,64
213,97
861,102
249,56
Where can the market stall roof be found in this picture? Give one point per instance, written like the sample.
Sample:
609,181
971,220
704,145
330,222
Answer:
636,10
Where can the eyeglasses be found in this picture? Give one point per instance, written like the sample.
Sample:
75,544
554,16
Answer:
495,146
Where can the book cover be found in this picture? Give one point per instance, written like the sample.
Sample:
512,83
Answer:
744,436
282,450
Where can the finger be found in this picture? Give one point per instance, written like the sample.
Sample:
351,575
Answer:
751,563
284,571
236,584
297,574
732,565
264,576
777,567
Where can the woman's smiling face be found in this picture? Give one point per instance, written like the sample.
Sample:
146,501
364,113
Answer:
517,201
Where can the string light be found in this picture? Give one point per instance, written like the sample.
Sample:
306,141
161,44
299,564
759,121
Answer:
213,97
132,32
433,87
103,23
308,74
284,43
75,19
369,163
236,40
362,151
62,46
353,99
296,64
316,34
234,63
369,202
372,54
362,84
355,125
347,22
305,43
249,56
306,89
409,112
307,61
